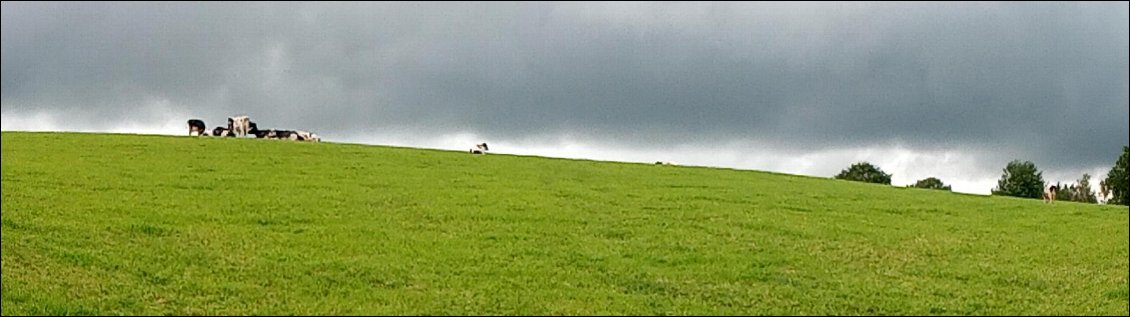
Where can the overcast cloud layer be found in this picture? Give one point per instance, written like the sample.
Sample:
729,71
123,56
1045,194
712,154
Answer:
954,90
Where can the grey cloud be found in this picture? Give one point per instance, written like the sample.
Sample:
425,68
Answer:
1040,81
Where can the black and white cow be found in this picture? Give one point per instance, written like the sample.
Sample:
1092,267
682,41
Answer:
221,131
240,125
277,134
287,135
1049,193
480,148
307,136
261,134
196,127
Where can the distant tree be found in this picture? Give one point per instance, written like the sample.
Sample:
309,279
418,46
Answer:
1021,179
1083,192
865,172
1064,192
1117,181
931,183
1080,191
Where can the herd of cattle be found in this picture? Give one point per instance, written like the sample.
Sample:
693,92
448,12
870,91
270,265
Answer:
241,126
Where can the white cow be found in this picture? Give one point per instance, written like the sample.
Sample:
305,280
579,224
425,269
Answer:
480,148
239,125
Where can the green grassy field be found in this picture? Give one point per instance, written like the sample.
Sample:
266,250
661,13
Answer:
118,224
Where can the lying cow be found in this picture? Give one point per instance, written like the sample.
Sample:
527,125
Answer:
221,131
480,148
196,127
287,135
262,134
307,136
280,134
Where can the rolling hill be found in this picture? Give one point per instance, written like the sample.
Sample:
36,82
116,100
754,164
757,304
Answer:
126,224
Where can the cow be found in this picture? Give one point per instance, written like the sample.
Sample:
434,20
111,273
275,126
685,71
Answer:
262,134
221,131
1049,194
1103,190
480,148
282,134
288,135
665,163
307,136
239,125
196,127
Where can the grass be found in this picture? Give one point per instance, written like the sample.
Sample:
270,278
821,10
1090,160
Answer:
96,224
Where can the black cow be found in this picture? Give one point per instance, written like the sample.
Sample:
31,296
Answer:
196,127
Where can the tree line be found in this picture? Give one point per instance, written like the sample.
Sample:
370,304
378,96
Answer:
1020,179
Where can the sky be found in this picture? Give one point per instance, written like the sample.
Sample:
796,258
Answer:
947,90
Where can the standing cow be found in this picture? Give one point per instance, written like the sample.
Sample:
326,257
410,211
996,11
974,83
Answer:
239,125
1049,193
196,127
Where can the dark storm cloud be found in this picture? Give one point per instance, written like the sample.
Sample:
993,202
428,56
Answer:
1039,81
